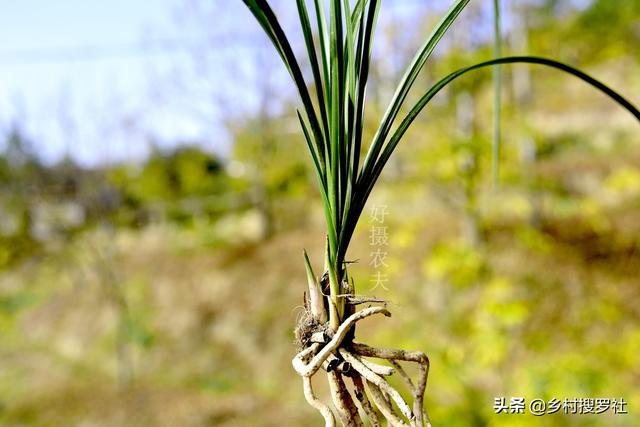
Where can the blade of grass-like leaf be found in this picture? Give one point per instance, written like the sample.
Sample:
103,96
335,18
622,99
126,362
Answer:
324,46
615,96
349,52
363,58
407,81
364,51
336,141
497,91
267,19
332,235
506,60
357,13
370,180
342,11
359,30
313,60
350,99
346,178
319,167
350,221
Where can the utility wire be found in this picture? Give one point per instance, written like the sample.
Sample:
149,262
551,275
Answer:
96,52
85,53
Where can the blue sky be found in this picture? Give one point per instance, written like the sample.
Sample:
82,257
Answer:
74,71
99,79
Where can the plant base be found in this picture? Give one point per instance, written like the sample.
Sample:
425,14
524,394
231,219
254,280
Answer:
343,359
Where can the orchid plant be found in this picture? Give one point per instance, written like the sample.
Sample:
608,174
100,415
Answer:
339,52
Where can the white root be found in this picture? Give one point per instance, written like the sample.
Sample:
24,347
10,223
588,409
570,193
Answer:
306,370
380,382
403,374
298,359
347,410
384,406
325,411
382,370
363,371
361,395
408,356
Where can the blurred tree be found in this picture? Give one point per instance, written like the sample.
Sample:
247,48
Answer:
270,163
20,175
180,183
590,36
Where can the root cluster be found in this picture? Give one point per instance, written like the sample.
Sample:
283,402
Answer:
345,361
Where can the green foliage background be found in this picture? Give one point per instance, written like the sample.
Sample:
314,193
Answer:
164,293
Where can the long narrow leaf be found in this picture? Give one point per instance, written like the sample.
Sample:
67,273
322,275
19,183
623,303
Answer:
349,109
267,19
315,68
357,13
324,46
336,141
426,98
349,52
365,45
319,167
407,81
614,95
332,235
350,100
364,50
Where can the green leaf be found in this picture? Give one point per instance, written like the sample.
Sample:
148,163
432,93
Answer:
319,167
267,19
405,85
322,185
334,134
313,59
336,140
362,61
360,194
358,11
364,49
324,45
399,133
